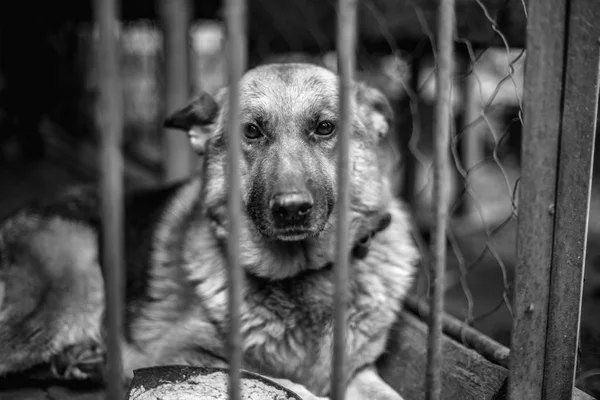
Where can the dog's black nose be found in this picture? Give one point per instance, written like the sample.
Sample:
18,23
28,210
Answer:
291,207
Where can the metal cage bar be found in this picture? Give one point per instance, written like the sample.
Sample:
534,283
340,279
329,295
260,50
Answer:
110,121
236,56
346,46
175,17
442,120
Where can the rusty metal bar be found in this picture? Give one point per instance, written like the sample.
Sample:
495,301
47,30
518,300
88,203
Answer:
544,70
110,121
236,56
442,120
580,109
175,17
346,47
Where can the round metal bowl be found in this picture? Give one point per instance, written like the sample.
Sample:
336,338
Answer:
171,382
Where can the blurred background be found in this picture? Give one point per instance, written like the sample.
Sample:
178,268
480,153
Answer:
48,125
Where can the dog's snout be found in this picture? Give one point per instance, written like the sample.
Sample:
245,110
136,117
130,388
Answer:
291,207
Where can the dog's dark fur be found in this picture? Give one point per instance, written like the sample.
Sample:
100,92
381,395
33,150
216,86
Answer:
175,237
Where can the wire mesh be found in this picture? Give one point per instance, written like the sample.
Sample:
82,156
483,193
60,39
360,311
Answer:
485,150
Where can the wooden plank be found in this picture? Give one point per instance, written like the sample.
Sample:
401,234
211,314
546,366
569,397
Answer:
580,395
110,119
468,336
175,15
542,110
580,107
466,375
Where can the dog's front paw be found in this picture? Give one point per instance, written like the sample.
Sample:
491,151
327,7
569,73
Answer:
300,390
80,362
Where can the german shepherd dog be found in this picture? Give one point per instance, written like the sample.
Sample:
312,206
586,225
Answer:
52,304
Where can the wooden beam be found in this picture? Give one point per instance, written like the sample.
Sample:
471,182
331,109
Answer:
466,374
544,69
580,105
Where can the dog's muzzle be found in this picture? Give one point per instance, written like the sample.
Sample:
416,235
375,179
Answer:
291,210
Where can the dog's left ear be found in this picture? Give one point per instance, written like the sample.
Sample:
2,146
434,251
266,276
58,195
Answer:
196,119
374,109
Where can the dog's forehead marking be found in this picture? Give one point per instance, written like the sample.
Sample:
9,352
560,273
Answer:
288,89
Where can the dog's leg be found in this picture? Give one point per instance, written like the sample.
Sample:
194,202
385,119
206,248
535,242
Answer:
367,384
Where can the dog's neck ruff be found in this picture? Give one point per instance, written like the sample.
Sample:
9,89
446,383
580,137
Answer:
275,260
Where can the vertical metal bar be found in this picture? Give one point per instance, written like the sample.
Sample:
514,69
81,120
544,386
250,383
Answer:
442,120
236,56
175,15
580,106
346,46
544,69
110,120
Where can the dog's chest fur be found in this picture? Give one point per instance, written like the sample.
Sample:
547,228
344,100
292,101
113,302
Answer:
287,325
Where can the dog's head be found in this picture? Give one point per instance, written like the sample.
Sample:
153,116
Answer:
290,127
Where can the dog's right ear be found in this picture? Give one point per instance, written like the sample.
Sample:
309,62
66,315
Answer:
196,118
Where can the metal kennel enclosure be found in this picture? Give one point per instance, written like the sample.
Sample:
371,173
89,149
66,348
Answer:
549,201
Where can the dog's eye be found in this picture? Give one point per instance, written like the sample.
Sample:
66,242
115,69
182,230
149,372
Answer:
324,128
251,131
